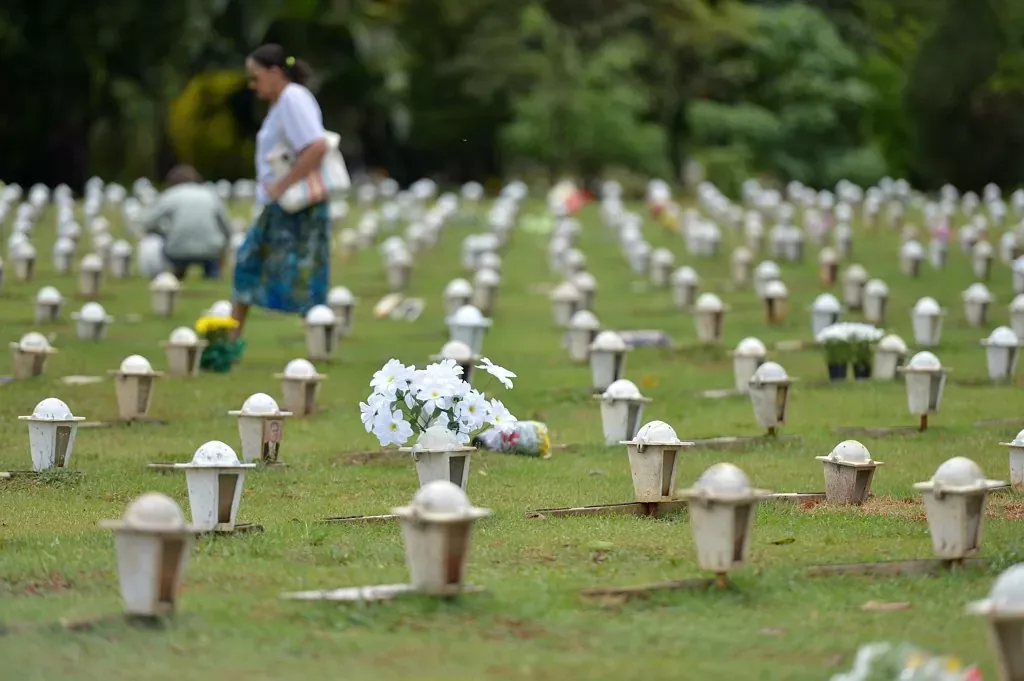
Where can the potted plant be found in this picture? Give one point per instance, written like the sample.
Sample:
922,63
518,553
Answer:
837,351
221,352
862,338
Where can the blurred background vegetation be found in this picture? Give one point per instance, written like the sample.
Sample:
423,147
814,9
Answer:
930,90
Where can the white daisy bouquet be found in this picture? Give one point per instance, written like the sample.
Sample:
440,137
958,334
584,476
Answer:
406,401
849,342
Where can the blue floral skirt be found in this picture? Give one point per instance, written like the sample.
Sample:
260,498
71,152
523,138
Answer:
284,262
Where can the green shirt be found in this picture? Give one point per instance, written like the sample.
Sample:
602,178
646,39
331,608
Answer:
192,220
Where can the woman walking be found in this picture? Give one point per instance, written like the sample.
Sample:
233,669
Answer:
284,262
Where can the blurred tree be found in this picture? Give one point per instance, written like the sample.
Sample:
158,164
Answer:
77,70
576,103
794,109
964,96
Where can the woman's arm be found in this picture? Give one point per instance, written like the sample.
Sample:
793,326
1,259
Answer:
302,125
307,161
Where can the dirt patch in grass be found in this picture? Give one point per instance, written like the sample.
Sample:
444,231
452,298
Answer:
1004,508
876,506
364,457
514,627
999,508
912,509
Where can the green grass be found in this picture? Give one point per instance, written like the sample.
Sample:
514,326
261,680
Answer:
775,624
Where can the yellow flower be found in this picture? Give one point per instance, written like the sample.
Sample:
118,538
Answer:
545,443
205,325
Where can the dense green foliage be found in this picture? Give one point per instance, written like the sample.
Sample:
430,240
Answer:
814,90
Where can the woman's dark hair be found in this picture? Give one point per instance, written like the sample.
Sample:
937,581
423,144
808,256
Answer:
183,174
273,55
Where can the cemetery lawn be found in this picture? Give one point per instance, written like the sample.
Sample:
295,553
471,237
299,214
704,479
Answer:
775,623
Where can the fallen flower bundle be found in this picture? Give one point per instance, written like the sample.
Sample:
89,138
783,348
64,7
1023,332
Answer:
406,401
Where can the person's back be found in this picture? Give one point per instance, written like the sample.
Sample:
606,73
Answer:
192,220
194,229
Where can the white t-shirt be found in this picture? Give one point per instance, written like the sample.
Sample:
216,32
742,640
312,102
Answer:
296,120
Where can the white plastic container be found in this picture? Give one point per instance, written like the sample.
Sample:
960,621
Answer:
1017,315
133,384
90,275
343,304
462,355
750,353
889,355
63,251
184,350
982,256
876,301
586,284
300,386
825,311
457,293
583,329
769,395
51,433
766,271
722,507
977,300
23,260
1004,612
607,359
30,355
828,266
709,317
662,262
120,258
848,470
653,455
854,279
927,319
321,327
622,408
1002,349
485,290
436,527
215,479
740,263
685,283
911,257
1016,448
566,301
153,543
468,325
776,302
938,253
260,428
163,294
955,500
48,305
399,269
438,456
925,379
91,322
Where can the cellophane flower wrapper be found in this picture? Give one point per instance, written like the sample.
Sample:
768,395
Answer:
904,662
528,438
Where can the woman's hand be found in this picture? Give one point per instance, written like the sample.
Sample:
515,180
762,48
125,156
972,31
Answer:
275,190
306,162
